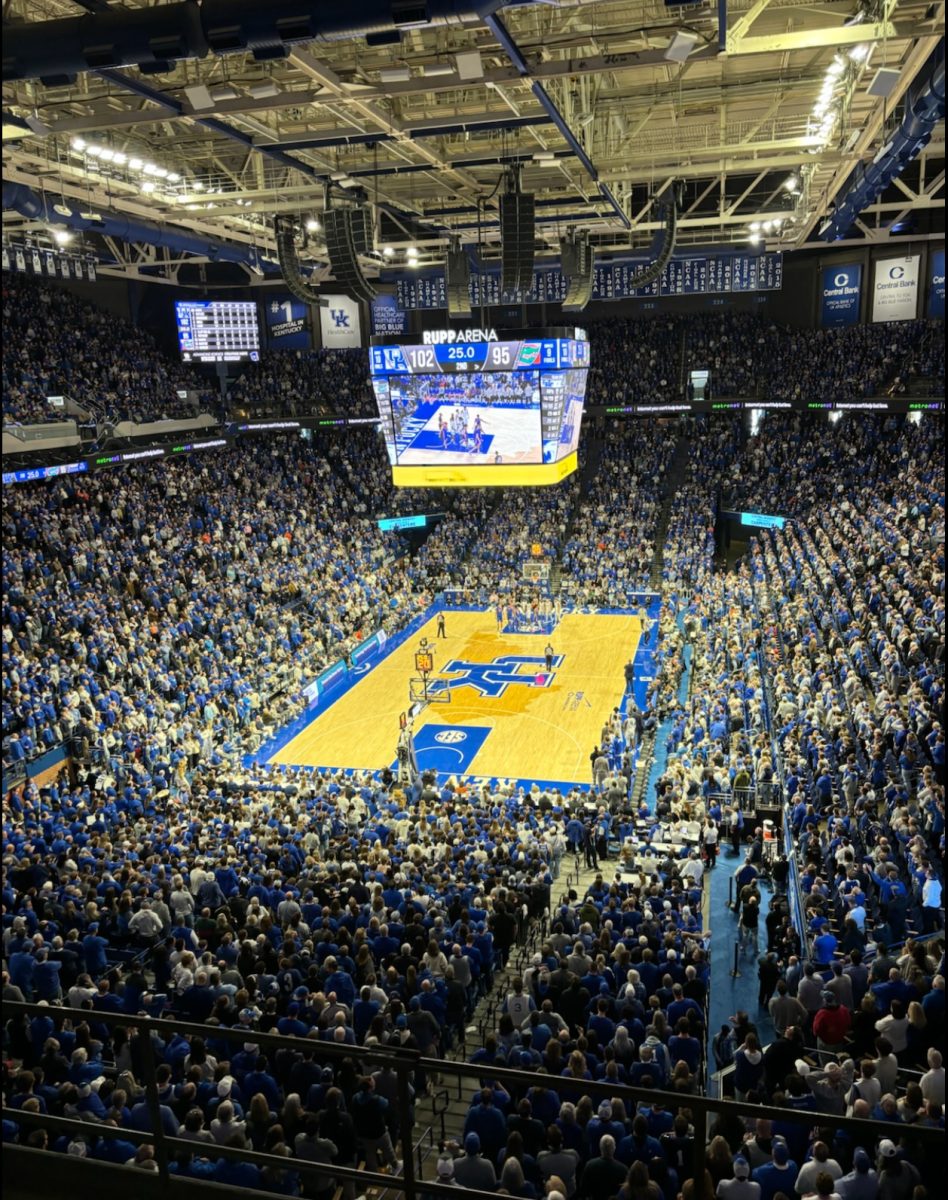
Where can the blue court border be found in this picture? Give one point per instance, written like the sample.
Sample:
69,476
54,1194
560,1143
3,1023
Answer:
352,676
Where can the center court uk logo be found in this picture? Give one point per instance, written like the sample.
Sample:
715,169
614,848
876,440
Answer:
450,737
492,679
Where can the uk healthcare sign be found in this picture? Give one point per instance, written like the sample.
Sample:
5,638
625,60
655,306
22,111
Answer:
387,317
840,292
936,285
895,289
287,327
340,323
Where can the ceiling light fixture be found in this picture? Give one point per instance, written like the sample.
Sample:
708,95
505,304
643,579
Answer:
312,225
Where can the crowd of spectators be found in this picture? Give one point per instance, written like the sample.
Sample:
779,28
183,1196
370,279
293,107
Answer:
305,383
611,544
527,517
753,356
184,604
55,344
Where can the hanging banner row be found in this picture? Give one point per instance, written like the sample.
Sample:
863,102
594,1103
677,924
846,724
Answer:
42,261
699,276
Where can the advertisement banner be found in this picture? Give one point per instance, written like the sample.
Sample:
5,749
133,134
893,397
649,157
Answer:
936,285
840,291
340,324
287,325
895,289
387,317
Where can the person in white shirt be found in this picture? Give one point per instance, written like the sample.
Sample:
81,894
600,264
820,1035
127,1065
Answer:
931,902
518,1005
741,1187
145,923
933,1081
691,868
810,1171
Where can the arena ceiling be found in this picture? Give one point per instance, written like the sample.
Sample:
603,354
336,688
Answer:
763,123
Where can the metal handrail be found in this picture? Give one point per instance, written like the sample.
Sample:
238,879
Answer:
404,1062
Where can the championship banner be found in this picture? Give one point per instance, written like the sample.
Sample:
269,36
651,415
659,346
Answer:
696,275
387,317
287,327
840,291
339,323
936,285
895,289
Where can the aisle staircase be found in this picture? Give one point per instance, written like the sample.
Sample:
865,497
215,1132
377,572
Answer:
675,478
440,1115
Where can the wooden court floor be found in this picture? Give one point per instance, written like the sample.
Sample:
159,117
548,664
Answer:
506,718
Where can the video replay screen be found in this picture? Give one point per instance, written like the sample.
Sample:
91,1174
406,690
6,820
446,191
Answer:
477,413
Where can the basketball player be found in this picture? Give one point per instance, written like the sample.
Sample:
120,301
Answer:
443,430
499,613
478,433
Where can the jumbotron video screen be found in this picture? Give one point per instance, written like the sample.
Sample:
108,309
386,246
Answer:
475,410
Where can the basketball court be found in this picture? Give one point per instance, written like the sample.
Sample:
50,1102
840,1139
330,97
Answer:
495,710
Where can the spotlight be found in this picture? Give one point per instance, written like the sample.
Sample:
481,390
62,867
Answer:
119,158
388,251
78,143
149,186
312,225
135,163
792,184
94,151
62,237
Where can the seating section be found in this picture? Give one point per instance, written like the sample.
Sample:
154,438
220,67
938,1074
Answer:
608,555
304,383
55,344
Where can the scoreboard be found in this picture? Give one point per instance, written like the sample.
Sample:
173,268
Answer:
465,408
448,357
211,331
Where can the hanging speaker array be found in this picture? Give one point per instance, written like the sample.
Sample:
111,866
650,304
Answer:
288,257
517,214
457,272
349,234
577,261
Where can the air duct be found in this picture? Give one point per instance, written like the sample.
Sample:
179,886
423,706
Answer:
866,183
36,207
154,38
